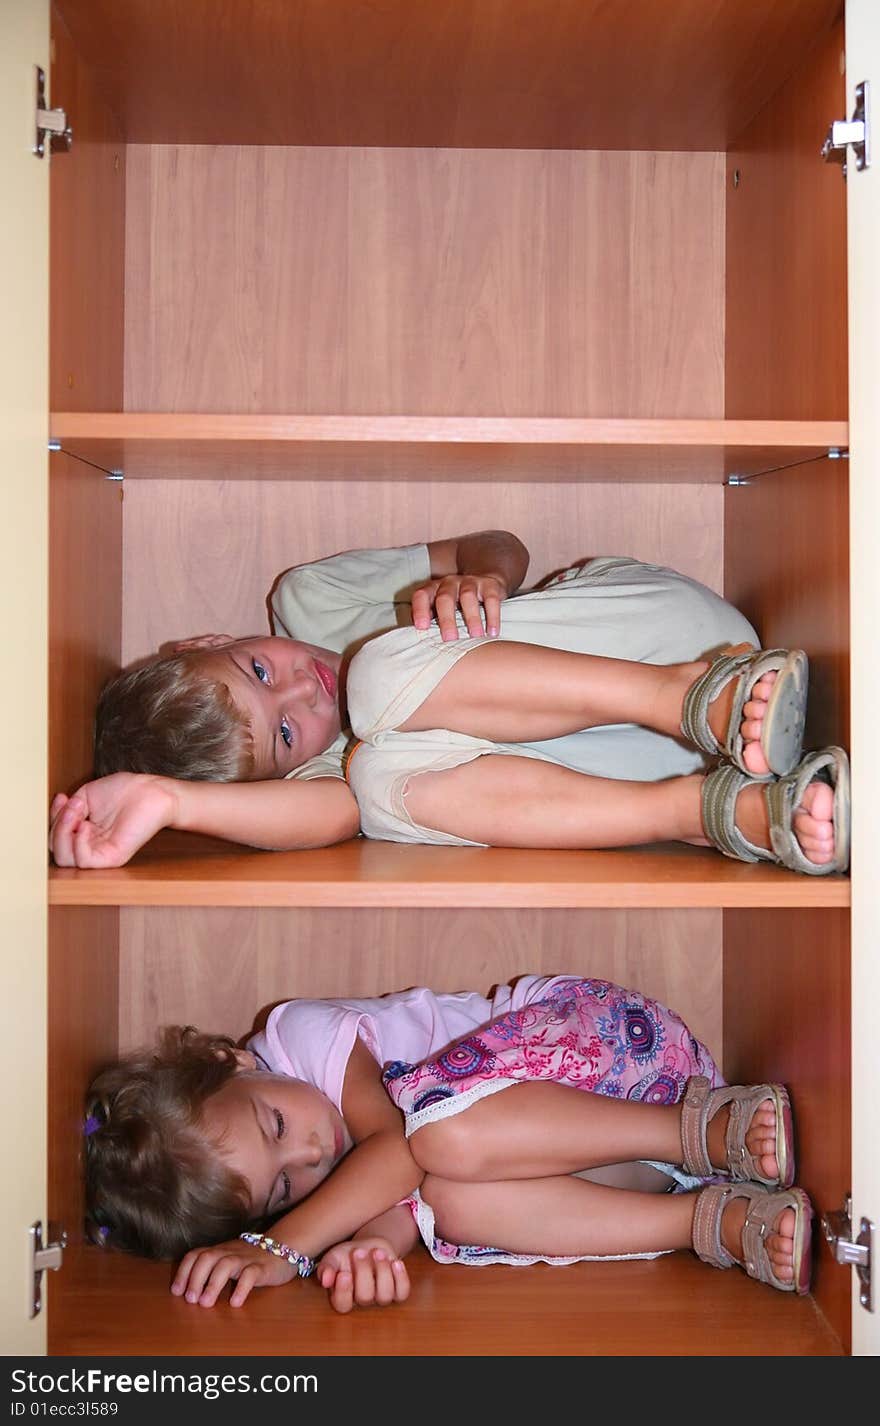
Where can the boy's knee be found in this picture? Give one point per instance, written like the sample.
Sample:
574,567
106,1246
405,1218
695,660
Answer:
449,1148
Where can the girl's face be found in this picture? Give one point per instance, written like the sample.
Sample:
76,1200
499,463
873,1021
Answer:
283,1136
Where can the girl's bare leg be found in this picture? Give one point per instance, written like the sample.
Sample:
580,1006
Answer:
508,801
541,1128
569,1217
513,693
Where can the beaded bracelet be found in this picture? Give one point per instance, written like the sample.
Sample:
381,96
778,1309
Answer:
304,1265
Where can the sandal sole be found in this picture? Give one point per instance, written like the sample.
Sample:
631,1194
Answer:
803,1243
782,735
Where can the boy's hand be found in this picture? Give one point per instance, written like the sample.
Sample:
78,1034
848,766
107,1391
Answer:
204,1272
105,822
478,596
364,1272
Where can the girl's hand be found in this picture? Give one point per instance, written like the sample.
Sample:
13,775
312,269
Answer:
204,1272
478,596
363,1272
105,822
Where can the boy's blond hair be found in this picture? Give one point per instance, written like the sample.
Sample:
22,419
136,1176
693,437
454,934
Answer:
156,1184
173,717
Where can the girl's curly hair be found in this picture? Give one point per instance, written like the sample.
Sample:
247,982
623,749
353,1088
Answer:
156,1184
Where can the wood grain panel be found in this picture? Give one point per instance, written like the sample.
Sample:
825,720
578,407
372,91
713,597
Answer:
222,545
787,567
787,1018
87,241
470,73
673,1306
424,281
85,610
83,1035
786,252
219,969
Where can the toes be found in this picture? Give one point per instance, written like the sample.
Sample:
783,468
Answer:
780,1246
813,823
753,755
761,1139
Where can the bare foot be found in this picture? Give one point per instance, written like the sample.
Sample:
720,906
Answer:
754,711
760,1138
779,1244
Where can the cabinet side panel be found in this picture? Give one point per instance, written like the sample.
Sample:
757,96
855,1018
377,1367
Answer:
85,609
787,1018
83,989
787,567
424,281
170,971
87,242
786,253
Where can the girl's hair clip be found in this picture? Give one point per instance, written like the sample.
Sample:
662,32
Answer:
103,1234
90,1124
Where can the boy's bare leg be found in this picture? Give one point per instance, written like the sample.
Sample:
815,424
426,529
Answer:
514,693
569,1217
508,801
540,1128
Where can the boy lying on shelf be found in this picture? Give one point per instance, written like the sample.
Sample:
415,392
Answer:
408,714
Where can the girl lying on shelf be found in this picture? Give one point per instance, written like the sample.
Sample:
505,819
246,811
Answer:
255,1164
589,723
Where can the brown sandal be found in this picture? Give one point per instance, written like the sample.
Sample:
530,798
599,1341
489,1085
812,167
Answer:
701,1103
761,1218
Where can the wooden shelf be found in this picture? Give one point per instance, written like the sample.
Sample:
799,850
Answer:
197,445
106,1301
176,870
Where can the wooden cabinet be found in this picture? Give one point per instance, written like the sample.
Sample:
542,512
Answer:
331,275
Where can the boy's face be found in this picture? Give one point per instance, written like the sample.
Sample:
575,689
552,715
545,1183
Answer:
283,1136
289,693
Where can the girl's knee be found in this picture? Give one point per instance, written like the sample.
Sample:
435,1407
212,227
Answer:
444,1199
449,1148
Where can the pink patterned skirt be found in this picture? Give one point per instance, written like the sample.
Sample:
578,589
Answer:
588,1034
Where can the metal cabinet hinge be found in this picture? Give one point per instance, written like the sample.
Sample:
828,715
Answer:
837,1228
855,131
50,121
42,1258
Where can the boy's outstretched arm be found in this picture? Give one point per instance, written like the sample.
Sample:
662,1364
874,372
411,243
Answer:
106,821
473,573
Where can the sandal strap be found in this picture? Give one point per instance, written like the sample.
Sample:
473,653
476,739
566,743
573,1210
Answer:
784,796
762,1217
748,668
700,1105
706,1228
694,1118
719,792
744,1100
764,1211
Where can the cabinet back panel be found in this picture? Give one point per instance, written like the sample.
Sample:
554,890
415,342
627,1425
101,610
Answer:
424,281
218,968
221,545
